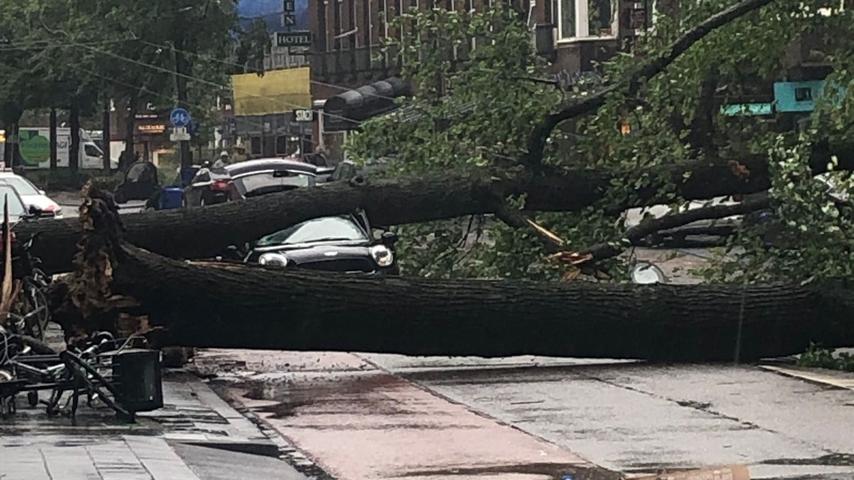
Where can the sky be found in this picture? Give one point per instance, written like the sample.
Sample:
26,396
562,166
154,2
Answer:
271,12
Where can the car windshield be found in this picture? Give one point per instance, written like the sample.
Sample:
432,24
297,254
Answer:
22,186
319,229
10,196
272,181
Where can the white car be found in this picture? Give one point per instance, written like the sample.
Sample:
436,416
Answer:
31,195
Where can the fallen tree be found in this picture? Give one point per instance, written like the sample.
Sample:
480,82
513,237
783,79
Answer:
205,232
200,305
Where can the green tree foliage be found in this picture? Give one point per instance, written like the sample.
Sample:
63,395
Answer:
122,50
474,108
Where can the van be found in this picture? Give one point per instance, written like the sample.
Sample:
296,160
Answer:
34,147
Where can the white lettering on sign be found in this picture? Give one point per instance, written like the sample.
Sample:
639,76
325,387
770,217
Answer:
293,39
304,115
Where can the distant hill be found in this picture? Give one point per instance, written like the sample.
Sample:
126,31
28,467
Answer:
271,12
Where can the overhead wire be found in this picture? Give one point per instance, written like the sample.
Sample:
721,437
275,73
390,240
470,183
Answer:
233,64
206,82
171,98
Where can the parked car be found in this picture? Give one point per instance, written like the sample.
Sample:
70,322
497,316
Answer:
349,169
339,243
140,182
31,195
17,209
248,179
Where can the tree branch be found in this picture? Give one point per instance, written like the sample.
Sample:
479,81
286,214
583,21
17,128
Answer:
702,127
205,232
652,67
634,236
517,220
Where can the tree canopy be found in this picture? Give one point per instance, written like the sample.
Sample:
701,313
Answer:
476,108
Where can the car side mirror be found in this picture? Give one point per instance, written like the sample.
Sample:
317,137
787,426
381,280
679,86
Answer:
41,192
389,238
35,211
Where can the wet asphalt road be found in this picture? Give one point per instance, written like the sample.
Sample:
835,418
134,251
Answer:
637,417
626,417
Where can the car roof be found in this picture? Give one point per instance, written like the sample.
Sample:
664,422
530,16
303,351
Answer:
262,164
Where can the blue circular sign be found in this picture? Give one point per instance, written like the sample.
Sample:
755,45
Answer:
180,117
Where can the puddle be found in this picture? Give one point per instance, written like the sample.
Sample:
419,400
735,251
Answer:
833,459
555,471
365,394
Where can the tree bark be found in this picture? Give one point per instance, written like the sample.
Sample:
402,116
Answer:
52,134
17,160
130,129
237,306
205,232
105,134
74,148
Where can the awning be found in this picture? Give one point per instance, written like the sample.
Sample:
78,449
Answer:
347,109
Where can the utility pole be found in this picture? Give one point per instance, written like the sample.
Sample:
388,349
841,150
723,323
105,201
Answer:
181,94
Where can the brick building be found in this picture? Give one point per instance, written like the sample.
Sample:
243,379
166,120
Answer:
348,68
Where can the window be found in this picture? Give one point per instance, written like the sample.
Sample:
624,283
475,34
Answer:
266,182
319,229
92,151
24,187
255,147
281,145
16,208
580,19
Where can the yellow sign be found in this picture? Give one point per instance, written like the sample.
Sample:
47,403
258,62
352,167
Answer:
2,136
277,91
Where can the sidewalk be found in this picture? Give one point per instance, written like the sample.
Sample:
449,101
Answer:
196,436
360,422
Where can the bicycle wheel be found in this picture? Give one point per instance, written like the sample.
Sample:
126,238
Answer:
94,382
34,307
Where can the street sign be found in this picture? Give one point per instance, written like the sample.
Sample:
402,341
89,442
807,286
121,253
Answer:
180,117
293,39
180,134
304,115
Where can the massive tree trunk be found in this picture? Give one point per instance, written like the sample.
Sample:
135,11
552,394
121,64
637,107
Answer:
254,307
204,232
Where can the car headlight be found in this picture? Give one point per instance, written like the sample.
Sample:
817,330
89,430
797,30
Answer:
274,259
382,255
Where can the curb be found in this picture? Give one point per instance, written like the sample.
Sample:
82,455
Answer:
818,376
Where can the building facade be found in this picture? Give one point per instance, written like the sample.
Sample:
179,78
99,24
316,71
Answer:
347,59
